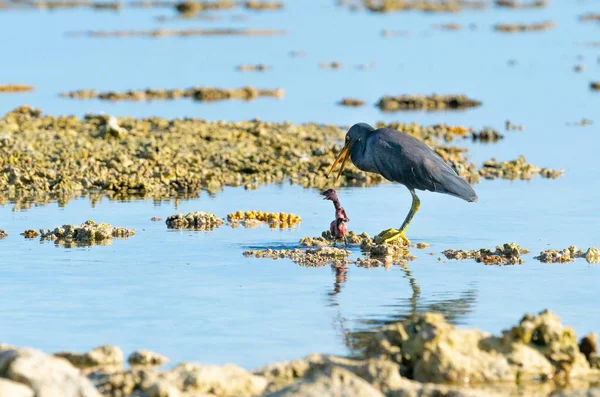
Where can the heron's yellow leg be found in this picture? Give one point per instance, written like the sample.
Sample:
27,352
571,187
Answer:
389,235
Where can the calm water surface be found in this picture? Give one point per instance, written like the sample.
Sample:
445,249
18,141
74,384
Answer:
193,296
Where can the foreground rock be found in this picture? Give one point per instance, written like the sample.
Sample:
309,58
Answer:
147,357
101,356
45,375
87,234
422,357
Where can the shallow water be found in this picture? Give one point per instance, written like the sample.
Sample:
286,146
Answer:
193,296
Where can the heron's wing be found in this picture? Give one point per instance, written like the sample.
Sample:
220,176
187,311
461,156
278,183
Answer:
402,158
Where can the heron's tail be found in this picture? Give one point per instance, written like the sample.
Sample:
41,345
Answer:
457,186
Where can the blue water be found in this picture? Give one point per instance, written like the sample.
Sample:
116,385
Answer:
193,296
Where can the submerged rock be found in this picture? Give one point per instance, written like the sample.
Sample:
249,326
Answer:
507,254
106,355
313,257
203,94
351,102
147,357
528,4
512,28
431,102
87,234
194,220
15,88
158,33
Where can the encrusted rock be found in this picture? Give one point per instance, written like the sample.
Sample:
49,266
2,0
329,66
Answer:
312,257
351,102
507,254
253,68
516,169
46,375
88,233
429,349
15,88
8,388
147,358
560,256
203,94
431,102
106,355
512,28
158,33
516,4
255,218
30,233
194,220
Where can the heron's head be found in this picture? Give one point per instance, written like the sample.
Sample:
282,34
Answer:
356,135
330,194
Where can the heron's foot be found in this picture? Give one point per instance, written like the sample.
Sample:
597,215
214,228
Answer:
391,235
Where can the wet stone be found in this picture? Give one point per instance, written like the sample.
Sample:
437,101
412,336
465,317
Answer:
194,220
513,28
253,68
351,102
30,233
429,6
590,17
106,355
201,94
507,254
146,358
430,103
568,255
252,219
159,33
11,88
87,234
330,65
526,4
311,257
516,169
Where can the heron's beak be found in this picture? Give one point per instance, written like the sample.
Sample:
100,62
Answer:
345,153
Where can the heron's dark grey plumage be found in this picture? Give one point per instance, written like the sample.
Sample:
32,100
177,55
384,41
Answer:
399,157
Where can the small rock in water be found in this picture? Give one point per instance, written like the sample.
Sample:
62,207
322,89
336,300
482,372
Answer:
566,255
507,254
3,234
252,219
157,219
87,234
194,220
30,233
147,357
422,245
106,355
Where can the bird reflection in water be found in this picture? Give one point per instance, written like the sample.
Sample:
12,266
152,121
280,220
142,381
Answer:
453,307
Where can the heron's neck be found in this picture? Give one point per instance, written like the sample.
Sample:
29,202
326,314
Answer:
360,156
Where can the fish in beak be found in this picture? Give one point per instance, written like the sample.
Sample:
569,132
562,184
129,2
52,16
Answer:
345,153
